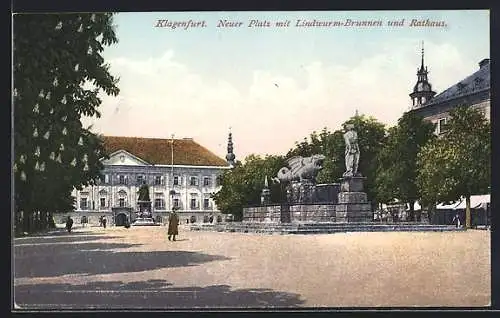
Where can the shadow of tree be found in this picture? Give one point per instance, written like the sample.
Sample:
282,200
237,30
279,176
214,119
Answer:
151,294
51,260
58,232
62,239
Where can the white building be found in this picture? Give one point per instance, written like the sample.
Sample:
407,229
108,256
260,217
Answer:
179,172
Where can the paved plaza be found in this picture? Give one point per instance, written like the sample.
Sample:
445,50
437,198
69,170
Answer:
118,268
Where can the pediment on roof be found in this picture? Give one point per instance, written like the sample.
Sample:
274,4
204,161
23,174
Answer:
124,158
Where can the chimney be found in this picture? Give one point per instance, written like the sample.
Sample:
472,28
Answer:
484,63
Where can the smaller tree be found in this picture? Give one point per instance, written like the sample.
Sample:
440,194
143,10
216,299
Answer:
397,161
242,185
459,163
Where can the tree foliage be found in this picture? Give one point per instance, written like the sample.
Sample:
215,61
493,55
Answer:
58,73
243,184
458,164
397,161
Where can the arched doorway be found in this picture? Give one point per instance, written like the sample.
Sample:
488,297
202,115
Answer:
121,219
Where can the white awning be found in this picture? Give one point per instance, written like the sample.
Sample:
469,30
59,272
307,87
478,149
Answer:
447,206
476,201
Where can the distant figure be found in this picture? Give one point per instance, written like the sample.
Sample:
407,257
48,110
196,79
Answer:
456,220
173,225
100,221
104,222
211,219
69,224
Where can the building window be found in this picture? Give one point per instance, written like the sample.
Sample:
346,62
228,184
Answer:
159,204
103,202
441,127
176,203
121,202
193,181
122,179
104,179
206,204
194,203
207,182
159,180
140,179
83,204
176,180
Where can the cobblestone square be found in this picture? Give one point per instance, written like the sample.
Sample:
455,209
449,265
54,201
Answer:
139,268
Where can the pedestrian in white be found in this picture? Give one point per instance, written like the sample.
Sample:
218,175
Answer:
456,220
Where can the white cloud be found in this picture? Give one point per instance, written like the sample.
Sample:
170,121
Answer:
160,96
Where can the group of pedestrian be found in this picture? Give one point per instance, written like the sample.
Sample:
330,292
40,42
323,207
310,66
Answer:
103,221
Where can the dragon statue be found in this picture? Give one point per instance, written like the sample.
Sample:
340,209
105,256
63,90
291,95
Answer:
300,168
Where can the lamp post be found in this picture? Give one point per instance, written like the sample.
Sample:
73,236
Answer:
172,192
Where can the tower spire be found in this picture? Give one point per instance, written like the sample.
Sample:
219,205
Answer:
230,157
422,91
422,66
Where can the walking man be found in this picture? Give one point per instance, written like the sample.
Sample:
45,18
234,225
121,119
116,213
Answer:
173,225
69,224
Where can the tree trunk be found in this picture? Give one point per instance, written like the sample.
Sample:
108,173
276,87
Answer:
411,213
26,221
467,212
43,220
430,213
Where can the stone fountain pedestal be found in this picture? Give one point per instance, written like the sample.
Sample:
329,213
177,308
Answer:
352,204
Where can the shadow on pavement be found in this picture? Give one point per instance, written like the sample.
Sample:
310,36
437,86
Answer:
58,232
152,294
97,258
82,237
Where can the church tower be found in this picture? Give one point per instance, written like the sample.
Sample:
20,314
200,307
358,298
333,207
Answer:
422,91
230,157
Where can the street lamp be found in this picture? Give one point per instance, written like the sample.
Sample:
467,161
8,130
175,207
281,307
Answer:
172,192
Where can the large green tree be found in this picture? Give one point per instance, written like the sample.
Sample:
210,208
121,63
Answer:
242,185
397,161
458,163
58,73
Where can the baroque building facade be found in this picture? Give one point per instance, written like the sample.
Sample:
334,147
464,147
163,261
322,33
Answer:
180,173
472,91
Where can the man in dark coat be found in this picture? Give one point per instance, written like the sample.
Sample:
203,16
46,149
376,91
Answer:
69,224
173,225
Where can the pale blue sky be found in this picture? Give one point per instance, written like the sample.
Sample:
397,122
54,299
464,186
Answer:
235,62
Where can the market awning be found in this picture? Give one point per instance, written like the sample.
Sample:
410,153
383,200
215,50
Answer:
443,206
476,201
